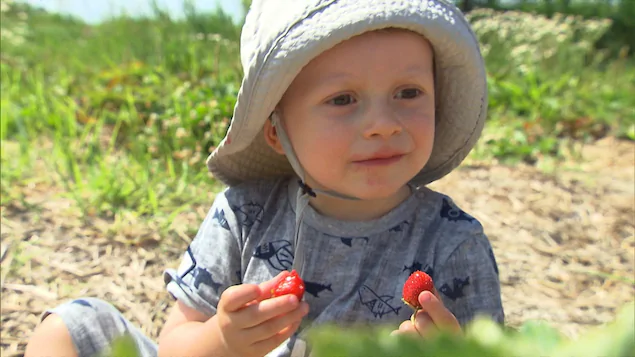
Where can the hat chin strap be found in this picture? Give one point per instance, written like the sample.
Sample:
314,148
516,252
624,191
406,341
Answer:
295,163
303,194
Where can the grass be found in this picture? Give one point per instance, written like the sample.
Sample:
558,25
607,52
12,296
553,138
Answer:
124,123
117,135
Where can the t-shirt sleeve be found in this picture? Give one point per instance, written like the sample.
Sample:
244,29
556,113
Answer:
212,261
468,280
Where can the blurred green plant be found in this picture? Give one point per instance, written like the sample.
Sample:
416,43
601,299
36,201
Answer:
123,346
616,41
547,83
124,122
482,338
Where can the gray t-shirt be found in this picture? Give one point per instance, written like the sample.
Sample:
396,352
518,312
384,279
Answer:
354,271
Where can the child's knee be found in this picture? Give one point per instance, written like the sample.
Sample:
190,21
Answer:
52,324
83,325
52,337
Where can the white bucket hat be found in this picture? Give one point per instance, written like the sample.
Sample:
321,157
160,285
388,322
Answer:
280,37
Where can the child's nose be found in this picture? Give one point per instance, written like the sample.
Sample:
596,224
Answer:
382,121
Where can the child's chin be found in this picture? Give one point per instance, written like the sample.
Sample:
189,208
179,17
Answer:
382,192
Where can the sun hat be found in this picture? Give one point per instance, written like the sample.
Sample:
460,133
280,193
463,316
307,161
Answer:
279,37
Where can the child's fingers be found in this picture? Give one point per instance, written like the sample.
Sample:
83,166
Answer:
440,315
258,313
276,324
407,326
424,324
237,296
277,339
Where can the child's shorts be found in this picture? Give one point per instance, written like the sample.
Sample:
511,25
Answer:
94,324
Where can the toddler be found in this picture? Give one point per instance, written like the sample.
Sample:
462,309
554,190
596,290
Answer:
347,110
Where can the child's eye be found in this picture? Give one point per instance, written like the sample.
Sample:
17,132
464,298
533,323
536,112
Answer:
409,93
344,99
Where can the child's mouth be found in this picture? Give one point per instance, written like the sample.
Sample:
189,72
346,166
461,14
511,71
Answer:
380,161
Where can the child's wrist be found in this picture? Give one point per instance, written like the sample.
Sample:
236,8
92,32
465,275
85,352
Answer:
212,329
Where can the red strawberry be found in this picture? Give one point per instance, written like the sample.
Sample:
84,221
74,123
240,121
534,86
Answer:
417,282
290,284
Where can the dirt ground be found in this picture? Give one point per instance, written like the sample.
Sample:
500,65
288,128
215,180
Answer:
565,243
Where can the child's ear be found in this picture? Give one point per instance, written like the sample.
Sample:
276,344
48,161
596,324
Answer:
271,137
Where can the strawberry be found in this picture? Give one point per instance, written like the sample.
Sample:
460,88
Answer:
290,284
417,283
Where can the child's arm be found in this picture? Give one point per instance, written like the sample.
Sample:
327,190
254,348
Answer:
183,332
216,314
245,324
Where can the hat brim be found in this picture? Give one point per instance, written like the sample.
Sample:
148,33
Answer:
461,86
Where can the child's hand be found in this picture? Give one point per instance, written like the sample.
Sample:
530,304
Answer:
253,324
432,316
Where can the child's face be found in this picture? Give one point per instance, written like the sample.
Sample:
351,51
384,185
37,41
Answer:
366,99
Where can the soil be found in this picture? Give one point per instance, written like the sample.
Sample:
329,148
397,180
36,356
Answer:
564,241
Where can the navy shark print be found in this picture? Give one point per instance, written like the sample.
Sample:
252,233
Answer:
315,288
377,305
279,254
219,216
412,268
456,291
429,270
192,262
202,276
417,266
82,302
400,227
348,240
248,214
453,214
